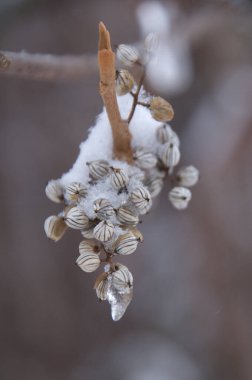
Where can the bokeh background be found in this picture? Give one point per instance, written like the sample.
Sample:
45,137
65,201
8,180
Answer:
191,316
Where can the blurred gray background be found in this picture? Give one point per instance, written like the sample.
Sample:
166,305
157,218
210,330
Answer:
191,316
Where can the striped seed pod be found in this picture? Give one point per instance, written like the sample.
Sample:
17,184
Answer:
155,185
187,176
137,234
103,209
144,159
169,154
119,178
89,247
140,197
104,231
126,244
180,197
55,227
122,277
166,134
98,169
101,286
75,191
75,218
88,233
88,262
161,110
124,82
126,216
54,191
127,54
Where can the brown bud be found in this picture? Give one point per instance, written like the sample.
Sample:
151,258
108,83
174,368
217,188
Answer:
161,110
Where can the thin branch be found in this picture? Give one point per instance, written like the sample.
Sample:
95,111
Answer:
47,67
135,96
121,134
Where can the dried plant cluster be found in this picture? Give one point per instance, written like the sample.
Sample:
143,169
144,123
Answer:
120,183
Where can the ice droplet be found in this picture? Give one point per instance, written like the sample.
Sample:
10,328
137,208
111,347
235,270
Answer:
119,295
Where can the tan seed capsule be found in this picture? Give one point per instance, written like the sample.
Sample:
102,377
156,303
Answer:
75,191
55,227
89,247
98,169
161,110
144,159
126,244
124,82
75,218
169,154
127,54
122,277
166,134
126,216
54,191
155,185
180,197
103,209
104,231
137,234
187,176
101,286
119,178
140,197
88,262
88,233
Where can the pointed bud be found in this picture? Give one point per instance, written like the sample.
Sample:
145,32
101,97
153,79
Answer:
75,191
103,209
119,178
141,198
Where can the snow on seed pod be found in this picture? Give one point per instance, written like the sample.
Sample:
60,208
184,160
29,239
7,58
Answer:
76,219
103,209
119,178
89,247
104,230
124,82
144,159
140,197
126,244
127,54
180,197
101,286
161,110
126,216
166,134
88,262
169,153
122,277
75,191
54,191
98,169
187,176
55,227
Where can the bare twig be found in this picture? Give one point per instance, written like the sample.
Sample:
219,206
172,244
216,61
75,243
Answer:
47,67
121,134
135,96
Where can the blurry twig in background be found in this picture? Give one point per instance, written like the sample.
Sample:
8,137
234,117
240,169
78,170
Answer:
46,66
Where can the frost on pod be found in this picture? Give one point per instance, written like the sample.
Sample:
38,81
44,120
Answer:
180,197
127,54
187,176
161,110
124,82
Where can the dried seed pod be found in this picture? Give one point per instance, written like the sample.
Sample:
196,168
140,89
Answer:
119,178
122,277
55,227
89,247
75,218
166,134
161,110
124,82
101,286
155,185
75,191
103,208
54,191
104,231
127,54
126,216
98,169
88,262
180,197
88,233
144,159
140,197
137,234
187,176
126,244
169,153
